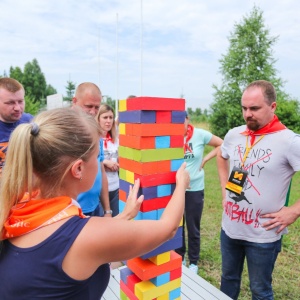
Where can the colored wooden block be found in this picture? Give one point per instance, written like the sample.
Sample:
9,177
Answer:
148,215
137,142
162,142
124,273
148,192
176,141
161,258
145,269
164,190
176,164
174,243
122,105
175,294
151,155
154,129
127,291
145,168
163,297
161,279
155,103
138,116
122,128
163,117
155,204
146,290
176,273
132,280
123,296
178,116
155,179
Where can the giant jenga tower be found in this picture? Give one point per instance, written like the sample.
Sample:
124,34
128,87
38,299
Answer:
151,148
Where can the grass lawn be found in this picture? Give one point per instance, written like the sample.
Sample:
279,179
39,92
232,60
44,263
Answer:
286,276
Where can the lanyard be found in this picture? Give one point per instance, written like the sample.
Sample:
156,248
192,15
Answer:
249,148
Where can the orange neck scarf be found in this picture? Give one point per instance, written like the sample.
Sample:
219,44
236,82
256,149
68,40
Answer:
30,215
274,126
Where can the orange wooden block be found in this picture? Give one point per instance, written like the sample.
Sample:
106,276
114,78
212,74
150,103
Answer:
137,142
145,269
122,195
155,103
154,129
145,168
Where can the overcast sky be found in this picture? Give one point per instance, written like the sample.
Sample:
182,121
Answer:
100,41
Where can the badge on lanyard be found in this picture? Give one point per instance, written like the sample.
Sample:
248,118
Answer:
236,180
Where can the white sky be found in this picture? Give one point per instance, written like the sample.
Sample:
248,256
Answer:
182,43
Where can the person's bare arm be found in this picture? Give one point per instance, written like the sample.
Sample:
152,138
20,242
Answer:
216,142
223,169
282,218
104,197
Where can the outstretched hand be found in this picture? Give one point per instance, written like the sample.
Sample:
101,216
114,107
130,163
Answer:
133,203
280,219
183,176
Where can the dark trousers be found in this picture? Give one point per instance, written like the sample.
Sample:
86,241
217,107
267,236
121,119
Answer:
192,217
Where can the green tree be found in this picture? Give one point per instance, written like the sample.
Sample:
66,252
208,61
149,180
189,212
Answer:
108,100
16,73
248,58
50,90
70,89
31,106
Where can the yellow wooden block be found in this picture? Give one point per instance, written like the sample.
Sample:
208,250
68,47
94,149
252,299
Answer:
161,258
122,128
163,297
122,105
129,176
179,298
146,290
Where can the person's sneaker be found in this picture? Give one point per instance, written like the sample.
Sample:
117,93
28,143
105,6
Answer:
193,268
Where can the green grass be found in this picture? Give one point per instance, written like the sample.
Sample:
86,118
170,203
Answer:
286,284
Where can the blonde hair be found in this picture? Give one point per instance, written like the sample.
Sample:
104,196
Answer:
104,108
41,153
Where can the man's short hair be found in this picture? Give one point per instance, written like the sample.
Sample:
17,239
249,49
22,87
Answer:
10,84
267,88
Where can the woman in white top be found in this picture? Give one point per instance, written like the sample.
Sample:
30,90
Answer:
106,120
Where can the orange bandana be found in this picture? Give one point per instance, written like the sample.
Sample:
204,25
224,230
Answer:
30,215
189,134
274,126
106,140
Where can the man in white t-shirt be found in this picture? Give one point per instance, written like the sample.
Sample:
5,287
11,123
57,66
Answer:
263,155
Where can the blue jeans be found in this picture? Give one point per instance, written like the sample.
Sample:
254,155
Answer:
260,258
98,211
114,201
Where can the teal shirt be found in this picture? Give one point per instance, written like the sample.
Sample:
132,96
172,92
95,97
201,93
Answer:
194,157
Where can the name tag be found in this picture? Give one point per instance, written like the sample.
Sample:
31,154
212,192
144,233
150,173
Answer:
236,180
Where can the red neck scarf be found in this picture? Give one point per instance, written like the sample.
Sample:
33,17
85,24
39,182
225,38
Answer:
274,126
189,134
29,215
107,139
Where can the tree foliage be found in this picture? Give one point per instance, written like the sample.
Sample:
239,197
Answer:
248,58
33,80
70,89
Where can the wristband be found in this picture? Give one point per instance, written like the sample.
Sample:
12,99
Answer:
108,212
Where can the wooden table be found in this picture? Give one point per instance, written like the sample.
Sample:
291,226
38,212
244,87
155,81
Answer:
192,287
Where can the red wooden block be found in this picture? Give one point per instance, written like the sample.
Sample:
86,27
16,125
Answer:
145,269
174,274
155,203
156,179
176,141
145,168
131,281
163,116
127,291
155,103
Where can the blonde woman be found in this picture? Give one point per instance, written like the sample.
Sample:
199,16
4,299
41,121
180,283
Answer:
106,120
49,249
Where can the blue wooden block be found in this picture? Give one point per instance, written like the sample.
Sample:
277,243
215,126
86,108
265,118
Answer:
175,294
124,273
178,117
175,164
121,206
163,190
161,279
138,116
162,142
174,243
149,215
159,213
